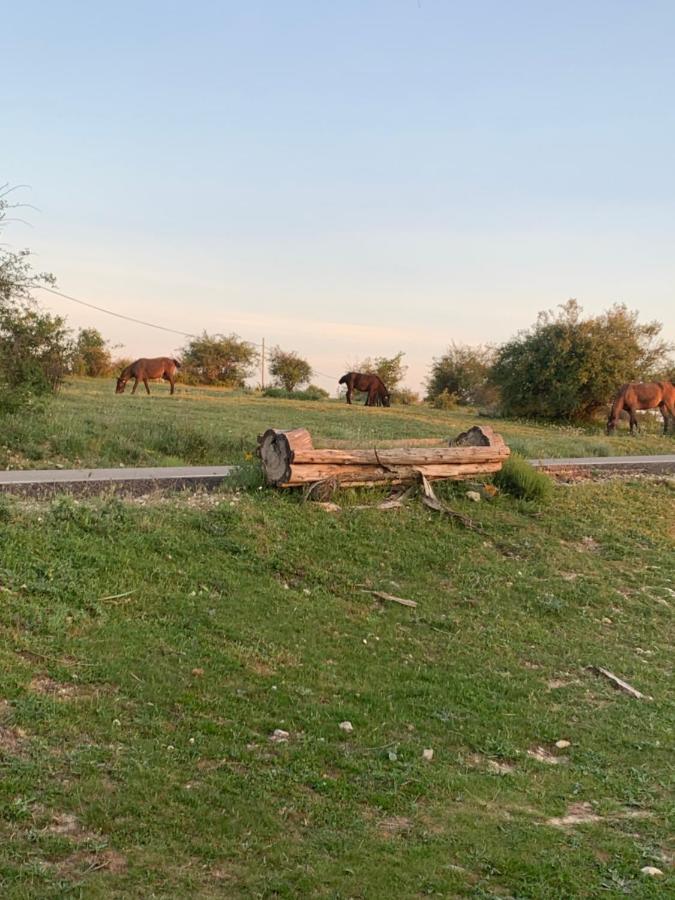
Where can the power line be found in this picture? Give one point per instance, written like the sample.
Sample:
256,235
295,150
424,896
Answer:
117,315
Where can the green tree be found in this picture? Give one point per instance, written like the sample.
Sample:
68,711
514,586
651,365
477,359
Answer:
462,373
35,347
567,367
219,359
91,354
288,369
35,351
390,369
17,278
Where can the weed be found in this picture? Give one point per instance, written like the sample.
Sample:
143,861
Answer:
520,479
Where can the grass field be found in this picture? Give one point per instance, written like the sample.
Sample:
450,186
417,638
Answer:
151,646
88,425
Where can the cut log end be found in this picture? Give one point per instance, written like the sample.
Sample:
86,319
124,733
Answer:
277,450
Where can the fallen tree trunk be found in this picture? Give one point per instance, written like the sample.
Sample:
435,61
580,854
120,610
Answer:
289,459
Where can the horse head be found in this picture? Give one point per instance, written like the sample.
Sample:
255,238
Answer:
121,384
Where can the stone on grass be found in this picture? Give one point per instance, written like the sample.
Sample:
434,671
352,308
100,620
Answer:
346,726
562,745
473,495
652,871
428,754
279,736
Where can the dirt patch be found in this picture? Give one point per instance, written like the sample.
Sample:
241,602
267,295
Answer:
84,861
587,545
499,767
43,684
12,740
541,754
393,825
584,813
577,814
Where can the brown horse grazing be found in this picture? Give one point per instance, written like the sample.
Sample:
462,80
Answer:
160,367
642,395
369,384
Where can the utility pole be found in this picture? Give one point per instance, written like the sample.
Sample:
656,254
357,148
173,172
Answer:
262,366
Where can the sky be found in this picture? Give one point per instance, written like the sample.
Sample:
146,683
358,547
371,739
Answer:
342,179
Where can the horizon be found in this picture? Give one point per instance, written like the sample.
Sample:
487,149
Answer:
344,182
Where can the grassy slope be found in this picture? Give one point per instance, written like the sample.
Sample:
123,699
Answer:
87,425
173,784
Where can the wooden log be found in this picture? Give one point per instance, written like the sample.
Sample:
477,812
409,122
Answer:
365,474
277,450
404,456
289,459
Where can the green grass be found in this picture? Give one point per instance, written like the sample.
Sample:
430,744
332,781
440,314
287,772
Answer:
88,425
520,479
151,647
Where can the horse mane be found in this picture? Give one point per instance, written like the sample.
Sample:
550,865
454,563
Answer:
176,363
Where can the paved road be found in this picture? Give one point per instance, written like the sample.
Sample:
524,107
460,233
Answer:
48,481
655,464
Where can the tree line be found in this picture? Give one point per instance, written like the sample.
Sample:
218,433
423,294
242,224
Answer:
565,367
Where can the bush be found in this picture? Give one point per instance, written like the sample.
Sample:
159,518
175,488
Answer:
313,392
445,400
518,478
219,359
288,369
404,397
35,352
567,368
91,355
464,373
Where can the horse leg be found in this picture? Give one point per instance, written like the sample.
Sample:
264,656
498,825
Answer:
145,382
668,412
349,396
634,424
133,390
171,382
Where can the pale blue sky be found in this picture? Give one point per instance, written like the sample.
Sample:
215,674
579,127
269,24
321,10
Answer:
344,178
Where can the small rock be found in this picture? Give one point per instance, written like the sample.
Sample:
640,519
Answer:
651,870
473,495
279,736
562,745
428,754
346,726
392,756
606,621
198,673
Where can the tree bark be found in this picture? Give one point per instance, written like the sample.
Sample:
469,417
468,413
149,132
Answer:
290,459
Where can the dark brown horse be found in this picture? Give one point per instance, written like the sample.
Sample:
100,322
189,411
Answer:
642,395
143,369
369,384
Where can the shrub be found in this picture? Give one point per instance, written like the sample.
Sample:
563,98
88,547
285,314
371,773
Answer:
91,355
219,359
518,478
567,368
445,400
313,392
463,372
404,397
288,369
